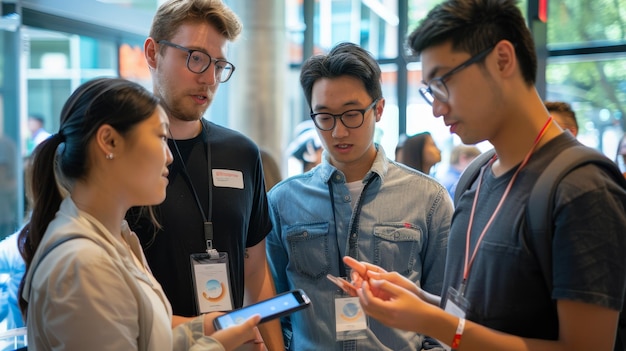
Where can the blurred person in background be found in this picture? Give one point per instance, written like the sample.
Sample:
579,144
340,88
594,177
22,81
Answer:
564,116
460,157
271,170
12,269
418,151
8,186
12,265
37,132
306,147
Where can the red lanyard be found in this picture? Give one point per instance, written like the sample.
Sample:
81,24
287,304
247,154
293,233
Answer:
468,264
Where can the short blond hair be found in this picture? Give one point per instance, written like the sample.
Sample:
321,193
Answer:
174,13
469,151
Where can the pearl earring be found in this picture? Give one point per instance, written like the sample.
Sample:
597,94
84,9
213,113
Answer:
109,156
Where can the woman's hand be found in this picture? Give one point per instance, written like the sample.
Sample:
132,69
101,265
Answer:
209,329
232,337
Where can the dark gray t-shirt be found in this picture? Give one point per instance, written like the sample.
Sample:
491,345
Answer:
517,276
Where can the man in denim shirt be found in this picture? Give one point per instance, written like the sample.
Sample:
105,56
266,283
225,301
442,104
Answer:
381,212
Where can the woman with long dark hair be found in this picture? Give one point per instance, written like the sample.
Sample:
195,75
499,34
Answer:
87,285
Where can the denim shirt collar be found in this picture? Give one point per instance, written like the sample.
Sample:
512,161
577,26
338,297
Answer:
379,167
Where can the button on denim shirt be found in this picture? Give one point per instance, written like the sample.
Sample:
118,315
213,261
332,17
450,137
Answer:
403,226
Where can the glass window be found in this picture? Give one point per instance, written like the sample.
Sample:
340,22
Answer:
294,21
57,63
38,71
387,128
11,198
595,88
575,22
371,24
10,162
418,9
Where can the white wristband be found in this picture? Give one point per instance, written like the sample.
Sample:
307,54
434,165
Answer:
458,334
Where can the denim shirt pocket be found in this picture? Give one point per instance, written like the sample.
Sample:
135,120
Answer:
397,247
308,249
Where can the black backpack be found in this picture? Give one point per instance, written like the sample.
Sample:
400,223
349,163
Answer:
541,200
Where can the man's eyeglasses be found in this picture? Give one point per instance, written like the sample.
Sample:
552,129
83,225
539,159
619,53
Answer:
199,62
437,89
351,118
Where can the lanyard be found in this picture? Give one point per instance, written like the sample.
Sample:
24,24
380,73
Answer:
354,227
207,223
468,264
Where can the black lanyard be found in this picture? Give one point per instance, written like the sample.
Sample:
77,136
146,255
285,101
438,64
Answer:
208,224
354,226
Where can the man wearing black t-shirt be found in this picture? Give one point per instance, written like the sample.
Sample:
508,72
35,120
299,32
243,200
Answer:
216,176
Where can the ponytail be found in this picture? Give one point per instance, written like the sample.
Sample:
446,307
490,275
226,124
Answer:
46,201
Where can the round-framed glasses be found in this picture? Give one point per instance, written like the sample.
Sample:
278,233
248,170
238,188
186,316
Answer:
198,62
351,119
437,88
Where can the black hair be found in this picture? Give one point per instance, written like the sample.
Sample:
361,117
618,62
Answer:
345,59
475,25
565,109
413,151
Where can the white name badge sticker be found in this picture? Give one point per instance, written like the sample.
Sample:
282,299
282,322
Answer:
226,178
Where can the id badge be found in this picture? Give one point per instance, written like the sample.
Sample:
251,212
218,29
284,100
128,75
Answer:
350,320
211,282
457,305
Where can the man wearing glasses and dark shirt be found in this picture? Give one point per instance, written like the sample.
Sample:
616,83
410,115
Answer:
509,285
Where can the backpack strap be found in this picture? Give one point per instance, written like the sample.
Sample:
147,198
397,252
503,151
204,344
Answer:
539,209
470,173
50,248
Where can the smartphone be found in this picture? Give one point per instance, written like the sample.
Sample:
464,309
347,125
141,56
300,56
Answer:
343,284
275,307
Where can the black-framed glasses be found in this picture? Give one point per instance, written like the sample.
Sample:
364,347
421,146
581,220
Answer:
437,89
351,119
199,62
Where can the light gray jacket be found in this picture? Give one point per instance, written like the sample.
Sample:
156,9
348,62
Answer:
87,293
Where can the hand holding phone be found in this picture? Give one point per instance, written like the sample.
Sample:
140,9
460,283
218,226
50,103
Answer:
275,307
242,337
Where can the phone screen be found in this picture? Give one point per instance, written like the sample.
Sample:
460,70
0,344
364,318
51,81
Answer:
271,308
